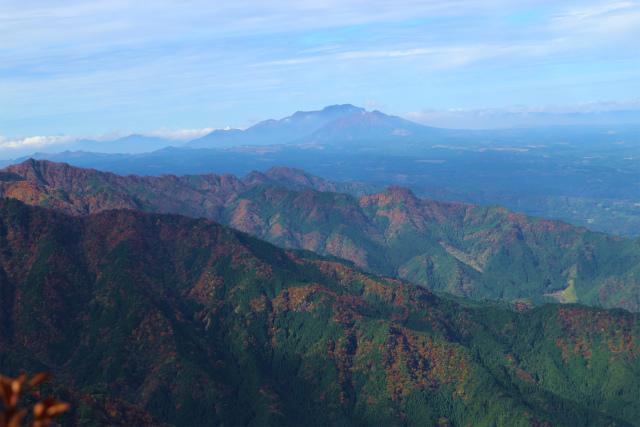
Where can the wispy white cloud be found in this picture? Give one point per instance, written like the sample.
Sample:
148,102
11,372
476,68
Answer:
179,134
582,107
581,13
371,104
287,62
593,112
12,147
33,142
326,48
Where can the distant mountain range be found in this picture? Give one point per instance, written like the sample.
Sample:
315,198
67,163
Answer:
132,144
335,123
464,249
147,319
332,123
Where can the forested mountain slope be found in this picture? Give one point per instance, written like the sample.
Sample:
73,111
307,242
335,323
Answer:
199,324
464,249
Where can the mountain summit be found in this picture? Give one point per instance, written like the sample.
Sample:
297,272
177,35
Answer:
332,123
368,125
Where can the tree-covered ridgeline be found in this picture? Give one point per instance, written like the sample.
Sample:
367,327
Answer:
467,250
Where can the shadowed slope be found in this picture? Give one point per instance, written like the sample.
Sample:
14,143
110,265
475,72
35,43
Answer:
200,324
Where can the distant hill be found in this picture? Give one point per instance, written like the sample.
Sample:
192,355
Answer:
145,315
132,144
464,249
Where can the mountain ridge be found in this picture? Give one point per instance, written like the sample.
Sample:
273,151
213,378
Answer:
464,249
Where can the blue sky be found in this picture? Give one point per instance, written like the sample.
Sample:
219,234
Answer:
177,69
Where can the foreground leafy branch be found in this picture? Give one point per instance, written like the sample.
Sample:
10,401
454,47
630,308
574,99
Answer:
12,389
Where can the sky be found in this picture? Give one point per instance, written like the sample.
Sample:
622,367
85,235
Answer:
102,69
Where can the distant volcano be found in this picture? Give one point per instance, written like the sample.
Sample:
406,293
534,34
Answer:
332,123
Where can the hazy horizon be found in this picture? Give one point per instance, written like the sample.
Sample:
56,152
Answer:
478,119
101,70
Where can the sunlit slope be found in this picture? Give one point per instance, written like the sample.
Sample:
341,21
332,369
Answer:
465,249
